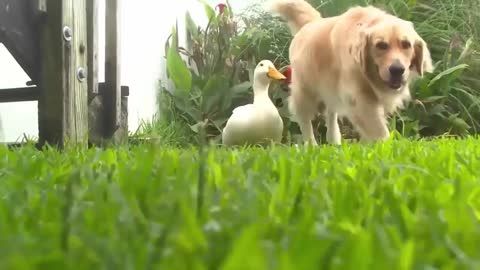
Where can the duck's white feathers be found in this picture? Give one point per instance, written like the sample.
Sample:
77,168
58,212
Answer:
253,124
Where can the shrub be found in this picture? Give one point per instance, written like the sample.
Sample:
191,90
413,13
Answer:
213,78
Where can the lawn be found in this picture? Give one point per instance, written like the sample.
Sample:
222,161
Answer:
395,205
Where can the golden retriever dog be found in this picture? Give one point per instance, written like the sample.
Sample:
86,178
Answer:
357,65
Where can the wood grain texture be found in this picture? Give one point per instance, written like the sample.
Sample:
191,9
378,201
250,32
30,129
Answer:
62,106
98,113
92,45
77,93
112,63
32,93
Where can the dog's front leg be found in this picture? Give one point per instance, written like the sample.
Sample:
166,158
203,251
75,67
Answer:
333,130
303,109
370,123
307,132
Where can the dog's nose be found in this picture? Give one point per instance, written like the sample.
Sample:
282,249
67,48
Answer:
396,69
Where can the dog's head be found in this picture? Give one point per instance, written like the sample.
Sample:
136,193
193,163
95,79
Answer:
390,52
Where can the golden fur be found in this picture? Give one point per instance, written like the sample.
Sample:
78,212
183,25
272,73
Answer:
358,64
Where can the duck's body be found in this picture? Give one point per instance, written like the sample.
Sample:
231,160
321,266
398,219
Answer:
255,123
259,122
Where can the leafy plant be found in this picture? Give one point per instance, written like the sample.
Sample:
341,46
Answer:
213,78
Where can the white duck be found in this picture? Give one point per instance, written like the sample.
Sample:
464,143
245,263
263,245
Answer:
259,122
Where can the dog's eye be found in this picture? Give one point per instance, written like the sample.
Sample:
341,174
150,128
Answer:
382,45
406,45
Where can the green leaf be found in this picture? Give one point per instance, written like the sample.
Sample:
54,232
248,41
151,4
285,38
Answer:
467,50
239,45
444,193
406,258
432,99
229,9
218,123
167,47
474,201
174,36
453,71
246,246
190,25
190,237
438,110
458,123
178,70
241,88
199,125
359,251
183,104
217,96
209,11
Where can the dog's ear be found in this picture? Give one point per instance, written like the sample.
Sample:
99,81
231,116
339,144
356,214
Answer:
422,59
360,48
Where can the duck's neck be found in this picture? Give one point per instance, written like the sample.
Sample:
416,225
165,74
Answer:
260,91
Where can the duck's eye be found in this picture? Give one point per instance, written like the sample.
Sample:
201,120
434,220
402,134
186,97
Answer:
382,45
261,65
406,44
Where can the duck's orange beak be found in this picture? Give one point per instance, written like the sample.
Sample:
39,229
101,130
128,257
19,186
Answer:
273,73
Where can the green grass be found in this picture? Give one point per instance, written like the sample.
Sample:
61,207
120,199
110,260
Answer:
395,205
166,132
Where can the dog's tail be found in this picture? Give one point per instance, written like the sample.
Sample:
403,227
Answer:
296,12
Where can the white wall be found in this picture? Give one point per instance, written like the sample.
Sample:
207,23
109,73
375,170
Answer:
145,26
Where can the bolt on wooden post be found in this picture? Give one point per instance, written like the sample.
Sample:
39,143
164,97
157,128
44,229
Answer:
63,99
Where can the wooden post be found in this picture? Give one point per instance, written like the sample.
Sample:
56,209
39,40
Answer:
108,107
92,41
62,104
112,64
96,113
98,116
